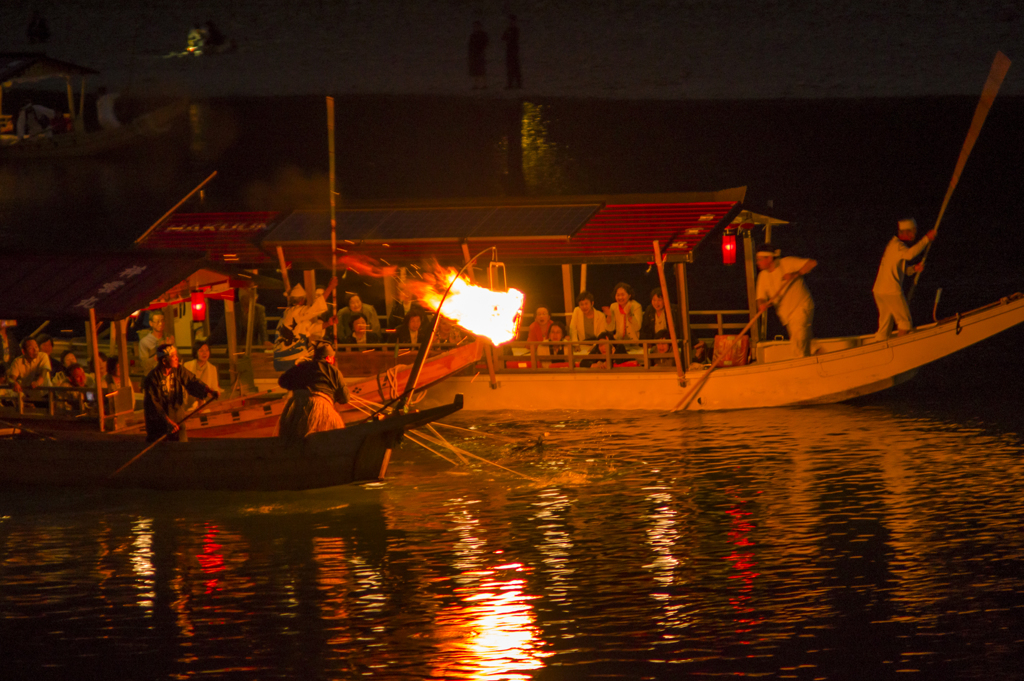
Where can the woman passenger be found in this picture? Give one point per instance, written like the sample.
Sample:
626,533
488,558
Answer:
201,366
555,345
654,317
627,315
413,329
540,326
359,332
587,323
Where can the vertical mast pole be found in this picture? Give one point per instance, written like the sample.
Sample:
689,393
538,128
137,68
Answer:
334,222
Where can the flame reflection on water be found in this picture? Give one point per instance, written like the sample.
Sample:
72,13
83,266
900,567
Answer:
808,542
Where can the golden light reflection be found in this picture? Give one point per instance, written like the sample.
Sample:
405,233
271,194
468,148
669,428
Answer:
544,162
142,562
211,560
744,563
491,634
557,541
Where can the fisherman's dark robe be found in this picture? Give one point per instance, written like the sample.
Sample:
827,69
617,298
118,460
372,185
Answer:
159,402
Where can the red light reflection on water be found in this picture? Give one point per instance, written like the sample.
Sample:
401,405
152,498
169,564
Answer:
211,560
744,563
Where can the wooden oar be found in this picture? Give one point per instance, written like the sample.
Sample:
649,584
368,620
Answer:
685,402
1000,66
162,437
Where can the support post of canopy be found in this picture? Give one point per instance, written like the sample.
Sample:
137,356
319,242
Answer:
583,277
71,97
100,400
668,314
250,321
284,271
309,283
684,311
568,290
121,329
229,323
751,272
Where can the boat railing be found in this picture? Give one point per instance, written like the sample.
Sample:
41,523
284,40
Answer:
56,401
639,356
719,325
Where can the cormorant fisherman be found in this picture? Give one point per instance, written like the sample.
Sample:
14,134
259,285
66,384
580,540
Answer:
316,387
164,391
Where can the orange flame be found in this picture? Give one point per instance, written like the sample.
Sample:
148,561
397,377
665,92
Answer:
477,309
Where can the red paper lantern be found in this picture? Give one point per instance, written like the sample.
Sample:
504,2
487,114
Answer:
729,247
198,306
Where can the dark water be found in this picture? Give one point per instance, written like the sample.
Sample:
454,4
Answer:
844,542
873,540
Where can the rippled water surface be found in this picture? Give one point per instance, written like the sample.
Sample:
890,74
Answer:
845,542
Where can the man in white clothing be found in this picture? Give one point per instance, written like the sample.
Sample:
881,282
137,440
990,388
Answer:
796,307
888,288
298,318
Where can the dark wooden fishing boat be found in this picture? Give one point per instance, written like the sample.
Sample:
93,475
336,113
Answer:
89,459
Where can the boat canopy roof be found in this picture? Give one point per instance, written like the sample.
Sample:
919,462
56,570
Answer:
224,237
114,284
614,228
26,67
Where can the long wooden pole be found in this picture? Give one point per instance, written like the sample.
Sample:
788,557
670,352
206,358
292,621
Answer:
162,437
334,222
175,207
685,402
1000,65
668,314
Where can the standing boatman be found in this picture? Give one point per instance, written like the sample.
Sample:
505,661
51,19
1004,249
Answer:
164,391
796,307
888,288
316,386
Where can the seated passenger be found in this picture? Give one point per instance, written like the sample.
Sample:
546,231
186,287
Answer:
45,345
401,308
413,329
602,351
7,395
356,306
74,376
654,319
58,369
445,332
112,379
626,313
662,349
31,370
586,324
541,324
202,367
359,332
556,345
34,120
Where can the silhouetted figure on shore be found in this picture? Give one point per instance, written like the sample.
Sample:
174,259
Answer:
478,56
513,75
38,30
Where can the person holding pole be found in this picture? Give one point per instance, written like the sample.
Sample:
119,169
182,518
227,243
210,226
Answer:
888,288
795,307
164,391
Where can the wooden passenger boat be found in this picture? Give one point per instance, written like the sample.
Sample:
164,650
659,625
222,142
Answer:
864,367
337,457
76,141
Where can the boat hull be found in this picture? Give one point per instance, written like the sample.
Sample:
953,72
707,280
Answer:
819,379
354,454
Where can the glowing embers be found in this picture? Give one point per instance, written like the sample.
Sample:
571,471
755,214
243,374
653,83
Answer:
477,309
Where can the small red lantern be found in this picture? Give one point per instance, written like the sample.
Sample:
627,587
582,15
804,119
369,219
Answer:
729,247
198,306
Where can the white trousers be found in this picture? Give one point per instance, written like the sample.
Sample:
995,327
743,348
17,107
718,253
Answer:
799,327
891,306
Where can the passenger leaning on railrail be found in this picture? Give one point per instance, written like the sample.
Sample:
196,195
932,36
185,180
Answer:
626,313
31,370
